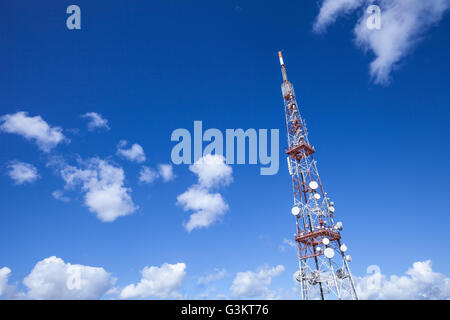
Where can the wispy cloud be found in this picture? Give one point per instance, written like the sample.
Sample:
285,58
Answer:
147,175
403,25
32,128
21,172
96,121
166,172
331,10
217,275
134,153
289,243
59,195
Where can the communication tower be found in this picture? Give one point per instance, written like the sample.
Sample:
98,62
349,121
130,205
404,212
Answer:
324,270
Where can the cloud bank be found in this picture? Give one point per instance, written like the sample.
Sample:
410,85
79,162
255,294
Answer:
252,284
158,282
4,275
420,282
52,278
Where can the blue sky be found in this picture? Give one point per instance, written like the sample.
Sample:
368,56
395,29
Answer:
151,67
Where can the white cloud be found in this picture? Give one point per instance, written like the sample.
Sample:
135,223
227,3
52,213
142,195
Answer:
5,272
134,153
160,282
102,182
288,242
147,175
208,207
166,172
252,284
52,278
217,275
212,171
331,10
403,24
420,282
95,121
21,172
32,128
59,195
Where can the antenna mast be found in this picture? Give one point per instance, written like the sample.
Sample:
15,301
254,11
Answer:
324,270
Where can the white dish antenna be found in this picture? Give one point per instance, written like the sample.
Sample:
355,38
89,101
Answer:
295,211
329,253
331,209
316,196
348,258
326,241
313,185
343,248
339,226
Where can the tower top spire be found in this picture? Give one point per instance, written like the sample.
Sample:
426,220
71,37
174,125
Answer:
281,58
283,67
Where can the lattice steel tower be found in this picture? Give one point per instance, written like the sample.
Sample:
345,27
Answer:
323,263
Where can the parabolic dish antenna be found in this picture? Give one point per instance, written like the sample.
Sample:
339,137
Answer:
329,253
343,248
316,196
295,211
313,185
325,241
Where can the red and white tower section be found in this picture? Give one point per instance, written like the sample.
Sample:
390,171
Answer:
324,271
